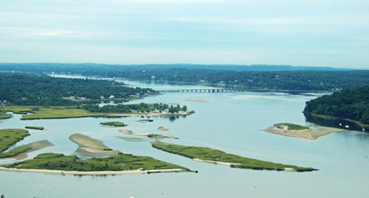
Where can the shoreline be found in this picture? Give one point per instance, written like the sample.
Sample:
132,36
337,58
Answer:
215,162
326,117
147,114
92,172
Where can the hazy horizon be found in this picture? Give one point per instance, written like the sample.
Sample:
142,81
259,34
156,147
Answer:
305,33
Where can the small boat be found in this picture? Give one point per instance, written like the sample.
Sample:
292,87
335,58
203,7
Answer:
347,126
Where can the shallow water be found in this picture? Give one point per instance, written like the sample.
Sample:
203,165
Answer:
231,122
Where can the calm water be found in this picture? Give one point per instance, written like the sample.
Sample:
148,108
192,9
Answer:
231,122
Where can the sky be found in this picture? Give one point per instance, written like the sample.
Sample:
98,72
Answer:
289,32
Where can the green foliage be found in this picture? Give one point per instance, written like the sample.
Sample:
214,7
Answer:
8,137
4,116
26,89
35,127
209,154
290,126
159,136
57,113
114,124
51,161
132,108
350,104
269,77
15,151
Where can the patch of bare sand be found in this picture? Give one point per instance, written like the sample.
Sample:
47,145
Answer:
312,133
91,147
139,171
161,128
197,100
34,147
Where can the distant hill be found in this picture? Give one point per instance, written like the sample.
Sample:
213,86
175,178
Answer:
350,104
257,77
47,67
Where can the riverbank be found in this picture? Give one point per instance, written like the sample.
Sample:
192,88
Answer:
185,113
64,112
311,133
336,122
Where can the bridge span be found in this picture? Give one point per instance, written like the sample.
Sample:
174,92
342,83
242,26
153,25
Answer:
224,90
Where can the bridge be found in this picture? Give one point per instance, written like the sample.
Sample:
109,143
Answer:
224,90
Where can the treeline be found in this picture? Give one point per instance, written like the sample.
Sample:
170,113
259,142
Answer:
287,78
348,104
134,108
27,89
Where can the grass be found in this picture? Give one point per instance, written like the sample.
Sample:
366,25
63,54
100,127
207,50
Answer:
8,137
214,155
19,109
114,124
4,116
50,112
290,126
16,151
122,162
35,127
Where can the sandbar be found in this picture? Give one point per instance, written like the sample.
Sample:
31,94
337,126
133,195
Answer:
90,147
161,128
93,172
196,100
313,133
34,147
150,135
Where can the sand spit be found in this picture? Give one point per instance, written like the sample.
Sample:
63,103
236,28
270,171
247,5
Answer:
93,172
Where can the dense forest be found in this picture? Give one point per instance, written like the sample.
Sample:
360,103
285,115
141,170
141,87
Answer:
250,77
27,89
348,104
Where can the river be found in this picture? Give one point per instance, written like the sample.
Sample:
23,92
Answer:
232,122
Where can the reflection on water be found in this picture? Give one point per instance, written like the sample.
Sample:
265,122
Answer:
334,122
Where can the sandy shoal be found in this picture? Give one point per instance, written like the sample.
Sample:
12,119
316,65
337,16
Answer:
196,100
92,172
34,147
161,128
215,162
308,134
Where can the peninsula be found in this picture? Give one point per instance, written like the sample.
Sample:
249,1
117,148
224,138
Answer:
209,155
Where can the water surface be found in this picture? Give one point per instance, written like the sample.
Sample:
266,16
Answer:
231,122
